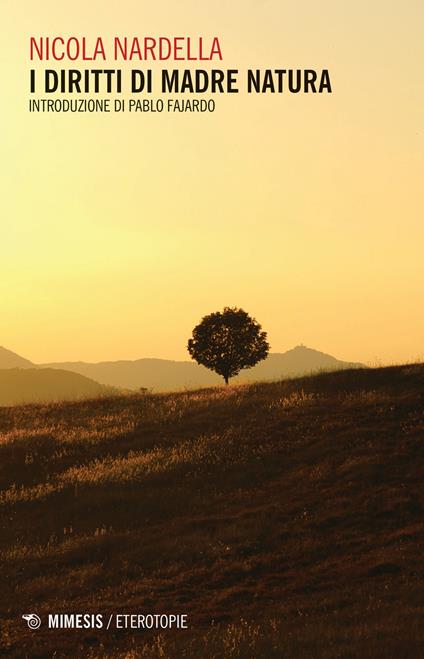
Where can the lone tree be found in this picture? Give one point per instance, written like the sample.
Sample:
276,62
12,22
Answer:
227,342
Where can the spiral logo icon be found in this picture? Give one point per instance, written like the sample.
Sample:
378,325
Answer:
33,620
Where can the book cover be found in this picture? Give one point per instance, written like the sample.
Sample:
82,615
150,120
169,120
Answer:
211,375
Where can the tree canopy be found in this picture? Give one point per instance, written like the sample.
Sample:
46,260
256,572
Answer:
228,341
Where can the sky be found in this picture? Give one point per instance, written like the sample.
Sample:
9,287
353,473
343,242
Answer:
120,232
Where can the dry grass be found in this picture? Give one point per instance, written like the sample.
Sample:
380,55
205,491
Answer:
285,519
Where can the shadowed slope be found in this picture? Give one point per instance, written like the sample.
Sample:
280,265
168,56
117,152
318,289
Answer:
296,506
45,384
9,359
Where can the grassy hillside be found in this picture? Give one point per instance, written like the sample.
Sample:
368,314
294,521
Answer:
285,519
31,385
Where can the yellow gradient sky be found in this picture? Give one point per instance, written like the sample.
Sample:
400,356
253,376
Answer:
118,233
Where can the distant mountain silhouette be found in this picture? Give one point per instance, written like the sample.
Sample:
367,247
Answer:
166,375
297,361
30,385
9,359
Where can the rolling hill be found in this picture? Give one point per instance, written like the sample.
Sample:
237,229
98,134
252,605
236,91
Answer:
29,385
284,519
166,375
9,359
67,380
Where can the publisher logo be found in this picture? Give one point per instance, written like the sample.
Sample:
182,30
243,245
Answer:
33,620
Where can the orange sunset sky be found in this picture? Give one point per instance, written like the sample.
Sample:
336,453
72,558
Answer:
119,232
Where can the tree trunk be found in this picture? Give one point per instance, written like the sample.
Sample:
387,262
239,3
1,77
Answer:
226,379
